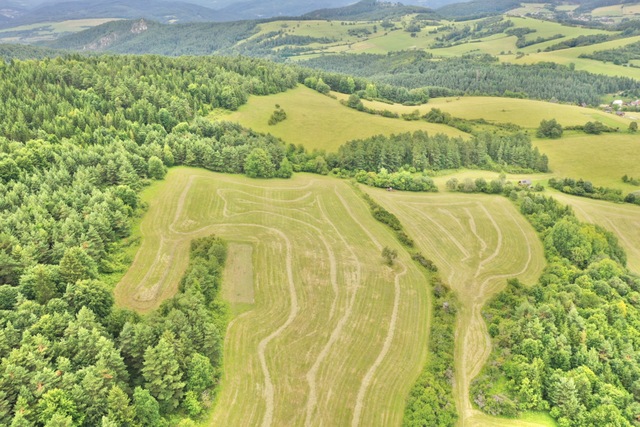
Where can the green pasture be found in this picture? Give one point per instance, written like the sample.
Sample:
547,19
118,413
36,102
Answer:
601,159
319,122
522,112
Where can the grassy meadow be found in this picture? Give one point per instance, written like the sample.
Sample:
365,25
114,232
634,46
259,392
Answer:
477,242
320,122
322,332
601,159
522,112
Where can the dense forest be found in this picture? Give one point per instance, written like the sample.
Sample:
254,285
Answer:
80,137
421,151
477,75
568,344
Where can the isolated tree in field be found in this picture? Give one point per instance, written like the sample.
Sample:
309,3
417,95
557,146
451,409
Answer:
355,102
549,129
258,164
633,127
389,255
156,168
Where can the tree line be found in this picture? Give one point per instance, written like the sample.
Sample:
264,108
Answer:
422,151
477,75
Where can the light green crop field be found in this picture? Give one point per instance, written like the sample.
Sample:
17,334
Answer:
50,30
477,242
601,159
621,219
320,122
568,56
617,11
323,333
522,112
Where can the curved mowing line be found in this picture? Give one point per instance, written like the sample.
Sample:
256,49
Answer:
385,349
496,252
335,334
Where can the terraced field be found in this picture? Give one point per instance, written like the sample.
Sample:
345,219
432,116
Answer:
621,219
323,333
477,242
320,122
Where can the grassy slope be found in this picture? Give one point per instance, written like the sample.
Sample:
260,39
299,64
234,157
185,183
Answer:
568,56
523,112
319,122
478,242
334,336
602,159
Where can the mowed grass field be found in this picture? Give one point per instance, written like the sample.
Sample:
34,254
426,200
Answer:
323,333
621,219
477,242
601,159
522,112
320,122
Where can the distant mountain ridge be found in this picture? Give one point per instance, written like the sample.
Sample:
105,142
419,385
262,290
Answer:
367,9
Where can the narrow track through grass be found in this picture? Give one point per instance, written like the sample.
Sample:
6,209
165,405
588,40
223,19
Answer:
477,242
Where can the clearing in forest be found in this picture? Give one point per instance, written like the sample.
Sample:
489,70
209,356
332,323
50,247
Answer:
333,336
477,242
621,219
320,122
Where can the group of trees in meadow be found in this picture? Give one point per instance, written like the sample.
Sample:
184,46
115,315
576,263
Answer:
476,75
568,344
420,151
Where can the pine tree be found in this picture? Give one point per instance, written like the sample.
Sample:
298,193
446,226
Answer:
162,373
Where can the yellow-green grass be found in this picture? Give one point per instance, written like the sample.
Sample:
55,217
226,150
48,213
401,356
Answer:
477,242
333,336
569,56
617,11
49,30
522,112
621,219
601,159
319,122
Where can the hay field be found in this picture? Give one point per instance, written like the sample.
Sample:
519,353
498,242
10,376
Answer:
323,333
477,242
522,112
320,122
621,219
601,159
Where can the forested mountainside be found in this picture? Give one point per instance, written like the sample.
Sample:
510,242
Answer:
478,75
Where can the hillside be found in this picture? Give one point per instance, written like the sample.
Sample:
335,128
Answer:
368,10
157,10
